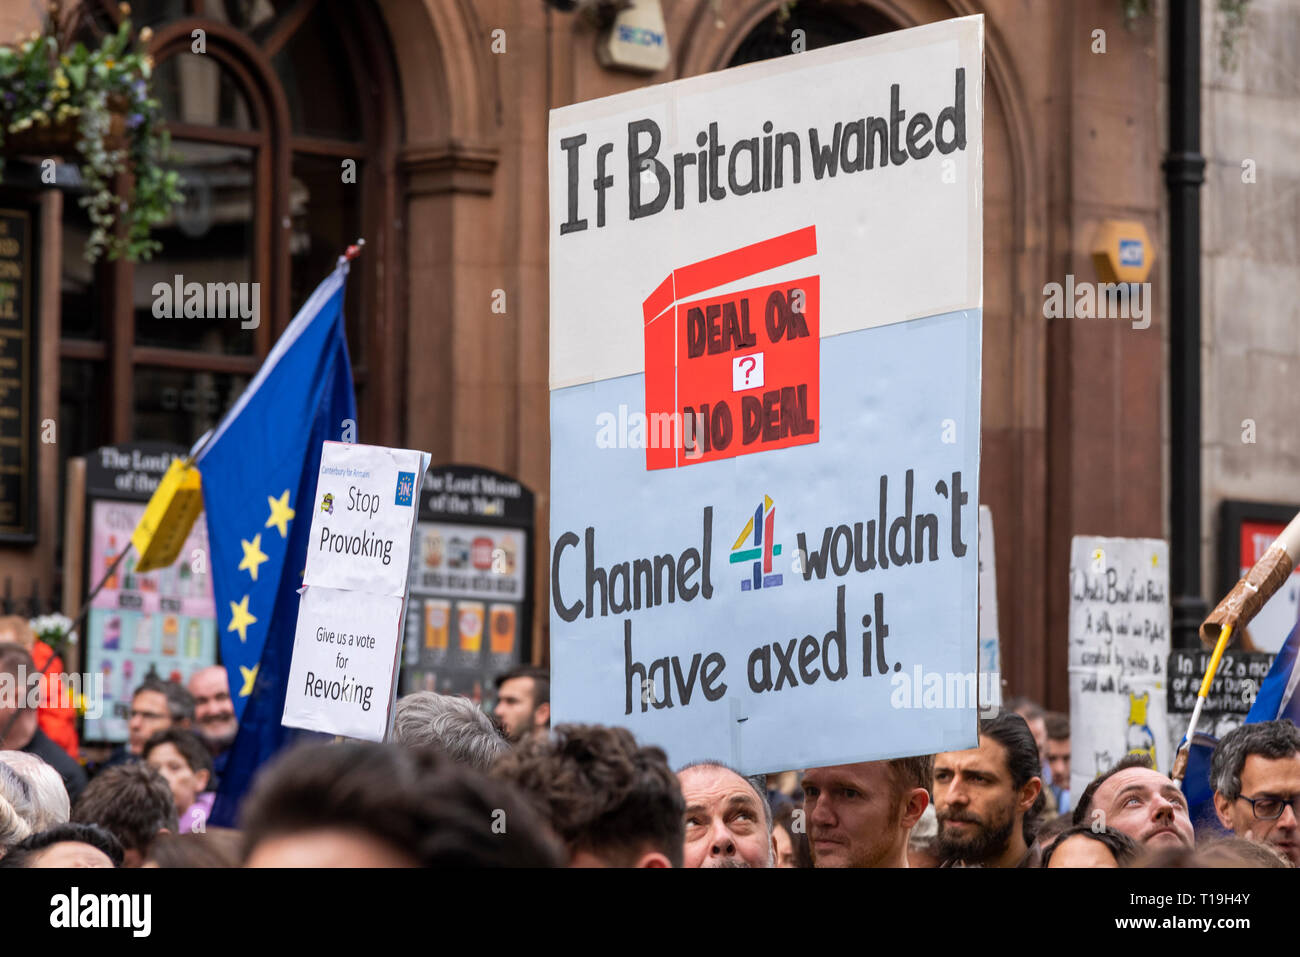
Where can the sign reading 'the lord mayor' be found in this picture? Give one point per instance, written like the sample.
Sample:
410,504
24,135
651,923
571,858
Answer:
765,379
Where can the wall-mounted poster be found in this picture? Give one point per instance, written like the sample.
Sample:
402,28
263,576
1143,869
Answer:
162,621
469,607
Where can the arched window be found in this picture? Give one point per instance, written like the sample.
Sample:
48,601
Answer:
823,24
283,118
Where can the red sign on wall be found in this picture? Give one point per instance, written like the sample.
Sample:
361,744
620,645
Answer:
736,372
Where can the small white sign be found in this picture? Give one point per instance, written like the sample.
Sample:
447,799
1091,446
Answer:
363,517
343,673
344,660
747,372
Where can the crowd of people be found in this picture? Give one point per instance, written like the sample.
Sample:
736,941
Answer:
457,787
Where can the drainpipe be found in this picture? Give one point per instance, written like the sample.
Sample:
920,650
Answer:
1184,168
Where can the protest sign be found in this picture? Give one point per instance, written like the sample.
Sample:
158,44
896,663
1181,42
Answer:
765,382
345,653
1119,647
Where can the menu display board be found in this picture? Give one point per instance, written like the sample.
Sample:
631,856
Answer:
469,604
17,291
162,621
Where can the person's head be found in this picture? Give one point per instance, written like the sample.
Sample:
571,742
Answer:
15,629
1058,748
49,795
183,759
17,721
611,801
16,808
133,802
1036,718
215,847
214,712
523,701
728,820
454,725
1255,773
860,815
1134,798
66,845
1081,846
156,706
1228,852
984,797
359,804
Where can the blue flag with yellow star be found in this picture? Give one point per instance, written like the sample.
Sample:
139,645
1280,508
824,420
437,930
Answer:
258,469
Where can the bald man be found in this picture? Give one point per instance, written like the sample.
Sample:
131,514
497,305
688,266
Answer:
214,712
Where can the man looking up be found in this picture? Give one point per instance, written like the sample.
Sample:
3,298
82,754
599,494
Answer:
728,820
1138,801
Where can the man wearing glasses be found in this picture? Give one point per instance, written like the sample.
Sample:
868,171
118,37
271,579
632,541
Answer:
1256,777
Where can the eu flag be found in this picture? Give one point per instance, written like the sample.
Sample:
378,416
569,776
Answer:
259,478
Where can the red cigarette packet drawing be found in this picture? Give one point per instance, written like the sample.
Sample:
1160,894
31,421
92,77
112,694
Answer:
732,373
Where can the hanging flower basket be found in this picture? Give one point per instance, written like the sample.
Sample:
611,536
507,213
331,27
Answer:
95,106
60,138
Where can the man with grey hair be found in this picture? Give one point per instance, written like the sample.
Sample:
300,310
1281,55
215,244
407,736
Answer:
1255,773
453,725
728,818
49,796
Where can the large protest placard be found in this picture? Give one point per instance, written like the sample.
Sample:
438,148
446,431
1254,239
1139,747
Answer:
1119,649
765,383
345,653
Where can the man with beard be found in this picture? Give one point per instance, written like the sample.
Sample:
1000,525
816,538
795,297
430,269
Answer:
523,702
214,713
1138,801
984,797
728,819
862,815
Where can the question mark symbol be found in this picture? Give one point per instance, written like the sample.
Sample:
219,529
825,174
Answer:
752,364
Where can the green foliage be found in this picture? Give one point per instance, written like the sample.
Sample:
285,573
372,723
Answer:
48,84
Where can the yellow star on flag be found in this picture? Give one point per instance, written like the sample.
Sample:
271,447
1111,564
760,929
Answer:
280,513
240,619
253,555
250,675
